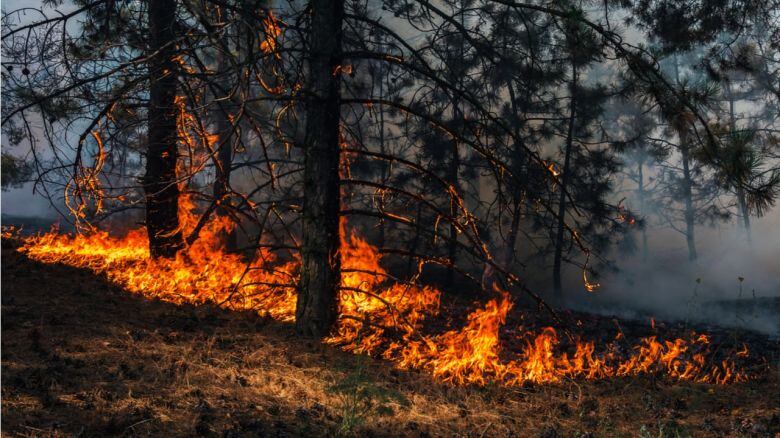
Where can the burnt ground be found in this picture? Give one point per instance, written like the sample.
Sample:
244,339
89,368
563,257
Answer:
81,357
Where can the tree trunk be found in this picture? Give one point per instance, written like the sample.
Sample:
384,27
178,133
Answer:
641,190
452,244
514,230
453,177
382,148
160,186
690,213
518,159
565,174
411,264
317,307
225,136
741,199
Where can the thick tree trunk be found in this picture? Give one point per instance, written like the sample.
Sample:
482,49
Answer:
565,174
160,186
317,306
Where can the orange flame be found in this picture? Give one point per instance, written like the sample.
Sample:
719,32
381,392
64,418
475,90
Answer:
272,31
380,316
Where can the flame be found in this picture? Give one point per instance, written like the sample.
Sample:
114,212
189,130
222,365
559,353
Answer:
272,31
199,274
380,316
470,355
552,168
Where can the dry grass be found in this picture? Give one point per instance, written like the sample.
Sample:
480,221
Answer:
82,357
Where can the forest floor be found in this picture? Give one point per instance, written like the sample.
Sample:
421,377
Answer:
81,357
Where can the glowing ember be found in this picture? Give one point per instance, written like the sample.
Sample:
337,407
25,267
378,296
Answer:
272,30
380,316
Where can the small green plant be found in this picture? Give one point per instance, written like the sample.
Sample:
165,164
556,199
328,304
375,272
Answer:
665,430
361,398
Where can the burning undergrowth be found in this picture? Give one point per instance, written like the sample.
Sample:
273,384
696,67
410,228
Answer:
400,322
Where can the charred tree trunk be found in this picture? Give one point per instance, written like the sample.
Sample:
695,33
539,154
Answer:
415,243
518,159
317,307
452,244
514,230
565,174
382,147
224,162
453,174
160,185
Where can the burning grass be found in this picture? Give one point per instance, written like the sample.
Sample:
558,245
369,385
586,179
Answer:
82,356
382,317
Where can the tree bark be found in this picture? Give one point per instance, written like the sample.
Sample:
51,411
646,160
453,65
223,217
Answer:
160,185
317,306
741,198
690,213
641,190
452,244
411,264
225,136
453,173
383,165
565,174
518,159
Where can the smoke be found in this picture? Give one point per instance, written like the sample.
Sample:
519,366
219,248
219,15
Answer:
733,283
22,202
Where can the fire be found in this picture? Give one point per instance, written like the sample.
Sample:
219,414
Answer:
471,354
371,304
199,274
272,31
380,316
